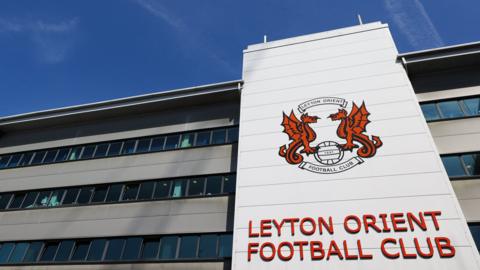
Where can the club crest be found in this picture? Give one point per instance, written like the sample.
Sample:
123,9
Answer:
347,148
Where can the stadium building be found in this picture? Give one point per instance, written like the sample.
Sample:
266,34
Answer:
328,153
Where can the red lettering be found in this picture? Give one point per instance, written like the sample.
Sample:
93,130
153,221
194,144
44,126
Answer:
323,224
250,230
370,221
251,250
442,244
265,225
434,215
262,252
348,256
419,249
333,249
316,246
302,226
396,220
384,249
347,226
278,226
385,223
292,224
362,255
281,255
300,245
404,251
419,221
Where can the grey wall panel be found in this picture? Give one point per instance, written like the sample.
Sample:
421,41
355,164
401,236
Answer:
468,194
141,266
205,160
456,136
451,93
144,218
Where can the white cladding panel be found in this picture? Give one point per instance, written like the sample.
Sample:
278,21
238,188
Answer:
357,64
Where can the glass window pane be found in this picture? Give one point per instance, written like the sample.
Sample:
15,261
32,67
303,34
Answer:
225,246
62,154
80,252
114,149
146,190
38,157
208,246
27,157
114,251
472,105
5,251
43,198
101,150
56,197
4,161
99,194
88,151
430,111
150,248
96,250
203,138
232,135
172,142
219,136
50,156
162,189
132,248
5,199
75,153
187,140
178,189
71,196
450,109
475,230
14,160
18,252
229,183
85,195
168,247
214,185
29,201
64,250
143,145
131,191
188,246
157,144
114,192
33,251
17,200
453,166
49,251
196,186
129,147
472,162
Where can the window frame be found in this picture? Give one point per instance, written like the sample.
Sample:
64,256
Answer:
461,105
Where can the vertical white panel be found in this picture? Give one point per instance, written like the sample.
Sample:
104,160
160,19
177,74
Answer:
399,172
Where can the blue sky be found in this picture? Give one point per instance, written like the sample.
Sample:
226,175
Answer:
59,53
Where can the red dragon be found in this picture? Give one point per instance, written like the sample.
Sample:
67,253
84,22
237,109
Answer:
301,134
351,128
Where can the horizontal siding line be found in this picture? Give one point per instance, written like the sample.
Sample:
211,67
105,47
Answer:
253,59
354,178
247,93
316,59
339,94
321,70
343,200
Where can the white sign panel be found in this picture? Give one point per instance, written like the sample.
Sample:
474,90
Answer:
337,168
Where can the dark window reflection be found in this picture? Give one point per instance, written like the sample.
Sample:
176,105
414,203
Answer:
453,166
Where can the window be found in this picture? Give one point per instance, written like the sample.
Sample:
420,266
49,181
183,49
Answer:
430,111
188,246
27,157
229,184
447,109
42,199
99,194
115,248
232,135
218,136
187,140
5,250
130,192
49,251
203,138
472,105
462,165
114,192
85,195
80,251
33,251
38,157
196,186
475,230
88,151
450,109
74,154
472,163
18,252
50,156
146,190
150,248
129,147
64,250
62,155
17,201
157,144
56,197
225,246
168,247
29,200
4,161
4,200
14,160
214,185
143,145
101,150
132,248
172,142
453,166
96,250
162,189
114,149
71,196
178,189
208,246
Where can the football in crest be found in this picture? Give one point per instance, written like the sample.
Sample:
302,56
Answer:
329,153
